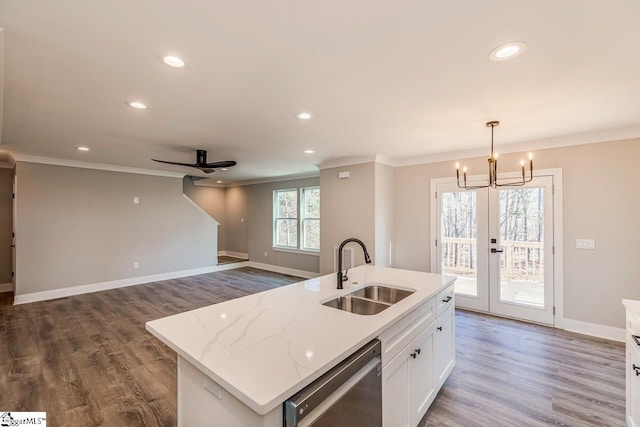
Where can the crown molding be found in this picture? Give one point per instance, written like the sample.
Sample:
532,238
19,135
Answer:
531,145
275,179
27,158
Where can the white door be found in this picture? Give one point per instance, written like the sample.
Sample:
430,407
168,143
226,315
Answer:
462,243
499,245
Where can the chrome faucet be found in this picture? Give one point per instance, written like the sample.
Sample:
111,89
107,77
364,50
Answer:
367,258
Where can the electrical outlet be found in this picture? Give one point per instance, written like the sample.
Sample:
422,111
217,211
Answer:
241,220
265,253
213,388
135,264
585,244
136,200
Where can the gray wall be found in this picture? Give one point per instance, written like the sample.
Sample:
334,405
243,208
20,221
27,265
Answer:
6,223
212,201
80,226
237,208
600,202
259,198
346,210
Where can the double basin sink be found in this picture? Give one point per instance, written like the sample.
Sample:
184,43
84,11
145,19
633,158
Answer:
369,300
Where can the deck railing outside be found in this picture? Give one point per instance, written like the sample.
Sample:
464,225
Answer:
519,260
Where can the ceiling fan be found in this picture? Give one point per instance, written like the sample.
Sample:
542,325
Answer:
201,163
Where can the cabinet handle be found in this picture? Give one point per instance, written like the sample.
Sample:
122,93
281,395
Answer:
447,299
413,355
637,369
636,339
440,328
418,351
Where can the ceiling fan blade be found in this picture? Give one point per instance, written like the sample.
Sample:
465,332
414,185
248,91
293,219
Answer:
220,164
176,163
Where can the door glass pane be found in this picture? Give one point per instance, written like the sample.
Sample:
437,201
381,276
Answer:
522,242
459,238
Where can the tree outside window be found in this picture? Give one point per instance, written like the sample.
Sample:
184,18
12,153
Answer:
296,219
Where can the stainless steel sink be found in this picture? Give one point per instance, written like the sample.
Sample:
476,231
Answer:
382,294
369,300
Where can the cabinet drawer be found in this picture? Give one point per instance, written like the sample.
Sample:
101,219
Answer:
444,300
405,330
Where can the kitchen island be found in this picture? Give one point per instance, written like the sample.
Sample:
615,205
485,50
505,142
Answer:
238,361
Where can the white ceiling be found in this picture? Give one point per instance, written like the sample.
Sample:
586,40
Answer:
400,79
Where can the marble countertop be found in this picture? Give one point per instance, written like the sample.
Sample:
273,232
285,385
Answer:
265,347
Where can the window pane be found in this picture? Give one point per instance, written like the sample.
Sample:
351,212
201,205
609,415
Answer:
311,234
459,240
287,232
522,241
288,204
312,202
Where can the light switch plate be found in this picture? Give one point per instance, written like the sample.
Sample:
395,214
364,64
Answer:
136,200
585,244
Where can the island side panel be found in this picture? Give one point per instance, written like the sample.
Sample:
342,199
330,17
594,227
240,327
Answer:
202,402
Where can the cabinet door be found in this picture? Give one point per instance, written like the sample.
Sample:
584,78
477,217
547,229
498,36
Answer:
395,392
633,387
421,384
444,353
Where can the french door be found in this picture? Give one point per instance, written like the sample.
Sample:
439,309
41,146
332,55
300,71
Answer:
499,245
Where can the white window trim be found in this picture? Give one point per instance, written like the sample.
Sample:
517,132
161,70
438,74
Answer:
303,217
298,249
276,217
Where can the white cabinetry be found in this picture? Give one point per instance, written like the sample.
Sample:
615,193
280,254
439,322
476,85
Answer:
412,378
443,341
633,363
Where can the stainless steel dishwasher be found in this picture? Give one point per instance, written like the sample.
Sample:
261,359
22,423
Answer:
350,394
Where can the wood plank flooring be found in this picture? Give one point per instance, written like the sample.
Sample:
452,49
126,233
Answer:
510,373
87,360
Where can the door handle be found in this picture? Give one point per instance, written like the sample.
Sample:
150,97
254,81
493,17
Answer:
494,250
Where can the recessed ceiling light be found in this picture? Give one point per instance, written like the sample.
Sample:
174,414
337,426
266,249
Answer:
137,105
219,182
83,148
173,61
224,169
507,51
309,151
303,116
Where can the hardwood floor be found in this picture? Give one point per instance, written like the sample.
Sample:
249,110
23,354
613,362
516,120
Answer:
87,360
223,259
510,373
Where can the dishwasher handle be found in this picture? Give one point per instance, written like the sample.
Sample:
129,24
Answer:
313,396
339,393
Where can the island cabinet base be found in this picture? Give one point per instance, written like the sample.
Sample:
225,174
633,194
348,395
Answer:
202,402
420,355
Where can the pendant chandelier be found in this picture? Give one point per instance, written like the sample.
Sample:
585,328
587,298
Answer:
493,170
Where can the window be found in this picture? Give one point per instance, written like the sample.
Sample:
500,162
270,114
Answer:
286,218
296,219
310,219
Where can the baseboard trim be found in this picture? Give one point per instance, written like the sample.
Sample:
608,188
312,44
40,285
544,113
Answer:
284,270
113,284
594,329
234,254
6,287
